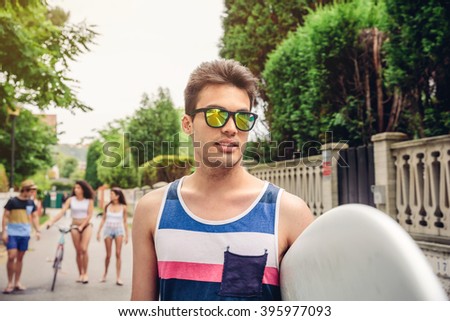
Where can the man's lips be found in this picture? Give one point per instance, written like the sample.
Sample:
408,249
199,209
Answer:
227,146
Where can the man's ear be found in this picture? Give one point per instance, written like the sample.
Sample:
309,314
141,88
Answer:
186,124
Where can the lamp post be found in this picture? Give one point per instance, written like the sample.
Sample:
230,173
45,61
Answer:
13,113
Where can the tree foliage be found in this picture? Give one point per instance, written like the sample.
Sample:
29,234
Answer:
77,174
154,127
128,143
418,60
253,28
319,78
359,68
33,142
36,46
166,168
69,166
93,154
3,179
115,166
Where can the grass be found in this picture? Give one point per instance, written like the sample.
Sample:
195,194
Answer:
43,219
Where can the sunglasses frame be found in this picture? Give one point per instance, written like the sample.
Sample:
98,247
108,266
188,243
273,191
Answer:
231,114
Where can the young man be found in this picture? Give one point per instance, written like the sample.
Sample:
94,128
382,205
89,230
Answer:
20,213
220,233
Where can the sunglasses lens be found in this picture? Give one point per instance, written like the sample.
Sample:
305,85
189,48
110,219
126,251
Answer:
216,117
245,121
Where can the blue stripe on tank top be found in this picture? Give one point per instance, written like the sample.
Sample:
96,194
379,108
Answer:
179,290
176,218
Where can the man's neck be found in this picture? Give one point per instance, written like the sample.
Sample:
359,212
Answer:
214,179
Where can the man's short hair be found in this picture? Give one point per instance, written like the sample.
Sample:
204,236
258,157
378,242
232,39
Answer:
219,72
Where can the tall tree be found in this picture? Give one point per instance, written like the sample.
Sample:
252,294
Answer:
115,166
363,67
418,72
324,77
93,154
33,141
69,166
154,127
36,46
253,28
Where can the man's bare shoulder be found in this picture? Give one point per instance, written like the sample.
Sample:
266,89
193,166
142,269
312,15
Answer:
295,216
148,207
291,202
152,197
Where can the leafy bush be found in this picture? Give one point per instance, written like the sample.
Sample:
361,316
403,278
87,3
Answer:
3,179
63,185
362,67
166,168
314,78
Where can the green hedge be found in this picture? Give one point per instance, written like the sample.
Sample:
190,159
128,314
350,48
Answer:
166,168
311,76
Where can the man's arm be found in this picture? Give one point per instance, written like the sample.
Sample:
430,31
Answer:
295,217
4,223
145,265
35,222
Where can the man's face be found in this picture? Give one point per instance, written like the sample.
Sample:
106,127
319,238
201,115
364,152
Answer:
218,147
26,192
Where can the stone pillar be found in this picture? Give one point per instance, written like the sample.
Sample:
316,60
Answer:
385,175
330,157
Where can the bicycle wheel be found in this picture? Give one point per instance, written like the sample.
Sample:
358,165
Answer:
54,278
57,265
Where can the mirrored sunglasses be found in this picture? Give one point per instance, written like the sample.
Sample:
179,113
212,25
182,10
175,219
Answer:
217,117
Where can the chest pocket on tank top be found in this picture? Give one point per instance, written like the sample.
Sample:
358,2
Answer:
242,275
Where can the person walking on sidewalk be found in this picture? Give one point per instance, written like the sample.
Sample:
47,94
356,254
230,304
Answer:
115,221
20,213
81,205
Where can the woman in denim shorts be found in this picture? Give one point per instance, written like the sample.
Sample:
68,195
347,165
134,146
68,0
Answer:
114,220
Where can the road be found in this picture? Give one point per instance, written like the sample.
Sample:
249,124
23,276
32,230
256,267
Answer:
37,271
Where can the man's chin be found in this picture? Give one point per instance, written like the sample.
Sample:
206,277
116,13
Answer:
223,162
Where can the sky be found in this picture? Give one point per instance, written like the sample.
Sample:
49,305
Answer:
142,45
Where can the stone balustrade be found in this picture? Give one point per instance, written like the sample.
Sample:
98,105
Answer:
298,177
422,174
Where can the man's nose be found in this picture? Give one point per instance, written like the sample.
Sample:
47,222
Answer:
230,126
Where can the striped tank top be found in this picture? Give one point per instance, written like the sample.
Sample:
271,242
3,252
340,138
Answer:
234,259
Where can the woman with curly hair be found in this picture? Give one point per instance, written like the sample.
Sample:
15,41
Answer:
81,205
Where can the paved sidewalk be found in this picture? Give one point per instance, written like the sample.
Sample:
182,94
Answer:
37,271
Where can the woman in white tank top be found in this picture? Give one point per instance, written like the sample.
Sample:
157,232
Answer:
81,205
114,220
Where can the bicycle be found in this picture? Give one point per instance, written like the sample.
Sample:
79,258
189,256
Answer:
60,252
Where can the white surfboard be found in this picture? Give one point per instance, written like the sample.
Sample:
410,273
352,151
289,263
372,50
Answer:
356,252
